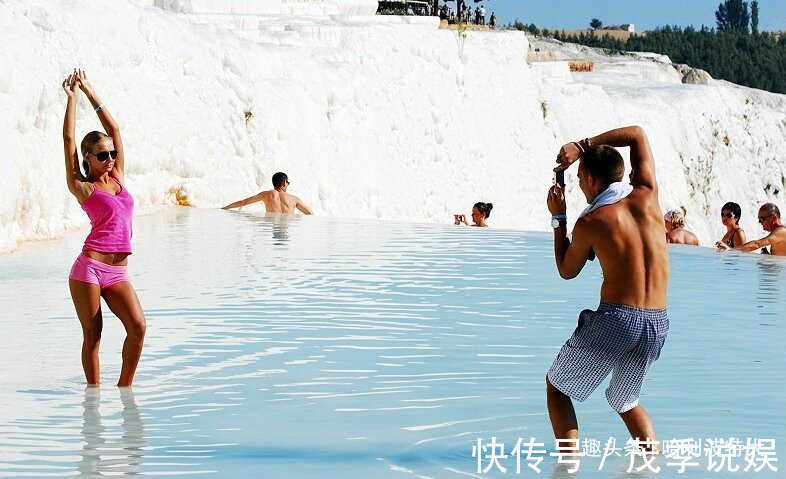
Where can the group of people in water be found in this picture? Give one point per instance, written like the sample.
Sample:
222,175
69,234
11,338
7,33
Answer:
622,226
734,239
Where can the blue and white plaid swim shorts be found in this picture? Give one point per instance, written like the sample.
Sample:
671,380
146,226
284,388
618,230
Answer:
617,338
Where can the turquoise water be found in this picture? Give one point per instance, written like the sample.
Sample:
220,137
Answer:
309,347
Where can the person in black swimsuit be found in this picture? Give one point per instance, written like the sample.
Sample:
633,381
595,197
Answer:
730,216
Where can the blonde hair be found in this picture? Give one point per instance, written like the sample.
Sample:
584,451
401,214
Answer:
88,142
676,218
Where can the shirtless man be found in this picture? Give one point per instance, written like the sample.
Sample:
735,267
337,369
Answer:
674,221
276,200
624,226
770,220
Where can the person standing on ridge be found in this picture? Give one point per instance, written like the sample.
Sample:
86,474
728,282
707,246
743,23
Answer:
623,225
276,200
770,220
101,269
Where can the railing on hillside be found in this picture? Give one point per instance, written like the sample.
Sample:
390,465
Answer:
405,7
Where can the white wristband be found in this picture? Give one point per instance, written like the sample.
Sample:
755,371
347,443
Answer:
99,107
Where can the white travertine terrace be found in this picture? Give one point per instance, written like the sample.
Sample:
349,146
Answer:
371,116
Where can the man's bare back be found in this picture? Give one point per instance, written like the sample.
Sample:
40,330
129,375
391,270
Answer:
628,239
281,202
276,200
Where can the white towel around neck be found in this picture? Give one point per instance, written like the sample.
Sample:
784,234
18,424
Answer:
614,193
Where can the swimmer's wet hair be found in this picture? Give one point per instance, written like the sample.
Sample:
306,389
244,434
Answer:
772,209
735,209
604,163
279,179
88,142
484,208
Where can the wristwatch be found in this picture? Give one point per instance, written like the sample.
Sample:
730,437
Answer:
559,220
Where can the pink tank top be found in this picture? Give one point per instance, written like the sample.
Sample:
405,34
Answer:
110,218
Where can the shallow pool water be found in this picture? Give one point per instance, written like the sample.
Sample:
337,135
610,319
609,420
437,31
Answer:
305,346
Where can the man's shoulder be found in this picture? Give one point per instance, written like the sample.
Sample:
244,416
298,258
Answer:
780,233
641,191
620,214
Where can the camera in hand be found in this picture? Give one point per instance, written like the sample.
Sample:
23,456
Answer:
559,178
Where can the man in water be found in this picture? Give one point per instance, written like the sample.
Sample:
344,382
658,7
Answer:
624,226
674,221
276,200
770,220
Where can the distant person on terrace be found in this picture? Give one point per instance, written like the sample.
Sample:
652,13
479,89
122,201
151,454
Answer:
674,222
770,220
480,212
276,200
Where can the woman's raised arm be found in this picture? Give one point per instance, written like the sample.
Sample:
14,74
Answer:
74,178
110,127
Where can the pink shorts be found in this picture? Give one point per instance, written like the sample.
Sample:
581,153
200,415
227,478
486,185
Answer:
88,270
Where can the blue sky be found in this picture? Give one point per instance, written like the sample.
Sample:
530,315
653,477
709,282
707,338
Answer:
645,14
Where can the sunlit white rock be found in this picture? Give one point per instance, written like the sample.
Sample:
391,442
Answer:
371,116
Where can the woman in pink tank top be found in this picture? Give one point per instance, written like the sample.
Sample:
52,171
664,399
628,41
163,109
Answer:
100,270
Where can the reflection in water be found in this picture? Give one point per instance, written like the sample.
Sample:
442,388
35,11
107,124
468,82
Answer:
769,283
103,456
275,223
281,229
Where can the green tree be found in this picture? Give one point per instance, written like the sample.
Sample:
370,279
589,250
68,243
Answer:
733,16
596,23
755,17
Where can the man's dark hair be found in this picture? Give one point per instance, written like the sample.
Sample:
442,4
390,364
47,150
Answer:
604,163
279,179
771,209
735,210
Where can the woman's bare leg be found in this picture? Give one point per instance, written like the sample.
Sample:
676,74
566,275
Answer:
122,300
87,301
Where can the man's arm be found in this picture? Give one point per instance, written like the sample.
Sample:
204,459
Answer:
754,245
570,257
302,207
247,201
641,161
